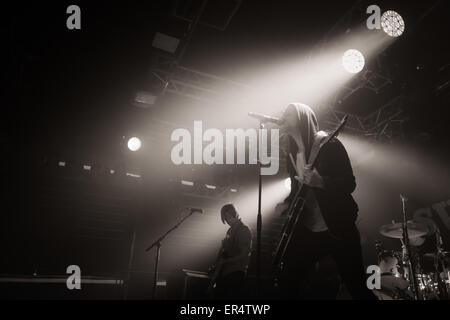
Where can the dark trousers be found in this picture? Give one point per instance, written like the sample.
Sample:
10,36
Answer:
229,286
306,248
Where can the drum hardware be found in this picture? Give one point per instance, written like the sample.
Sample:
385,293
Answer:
431,283
407,251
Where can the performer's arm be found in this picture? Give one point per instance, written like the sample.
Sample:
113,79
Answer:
244,239
219,256
340,178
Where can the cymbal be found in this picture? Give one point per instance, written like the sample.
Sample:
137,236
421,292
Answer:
395,230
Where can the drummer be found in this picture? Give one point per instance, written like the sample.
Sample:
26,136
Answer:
393,286
422,245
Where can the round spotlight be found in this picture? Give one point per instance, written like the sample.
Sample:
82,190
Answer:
353,61
287,184
134,144
392,23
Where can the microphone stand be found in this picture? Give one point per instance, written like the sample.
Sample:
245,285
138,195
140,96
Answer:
157,244
259,217
411,266
261,119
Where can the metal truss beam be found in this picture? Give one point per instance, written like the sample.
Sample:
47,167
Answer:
384,123
183,11
197,85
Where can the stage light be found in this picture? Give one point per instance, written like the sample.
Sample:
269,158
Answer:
187,183
233,190
210,187
134,144
287,184
133,175
392,23
353,61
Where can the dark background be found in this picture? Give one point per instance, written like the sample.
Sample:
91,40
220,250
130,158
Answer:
67,96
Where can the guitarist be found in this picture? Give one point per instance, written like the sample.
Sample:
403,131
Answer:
327,223
234,256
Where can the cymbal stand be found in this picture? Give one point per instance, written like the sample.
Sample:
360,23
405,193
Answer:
407,251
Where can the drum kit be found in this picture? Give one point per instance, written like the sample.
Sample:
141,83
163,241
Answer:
417,271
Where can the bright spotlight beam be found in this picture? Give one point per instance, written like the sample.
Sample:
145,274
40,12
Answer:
392,23
353,61
134,144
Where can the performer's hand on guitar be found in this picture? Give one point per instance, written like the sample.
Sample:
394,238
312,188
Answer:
211,269
214,272
216,266
311,178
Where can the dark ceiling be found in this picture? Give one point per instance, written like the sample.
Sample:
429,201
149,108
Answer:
66,80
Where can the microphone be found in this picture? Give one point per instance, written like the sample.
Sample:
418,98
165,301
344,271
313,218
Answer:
263,118
192,210
403,198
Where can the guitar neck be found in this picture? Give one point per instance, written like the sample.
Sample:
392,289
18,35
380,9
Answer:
330,137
